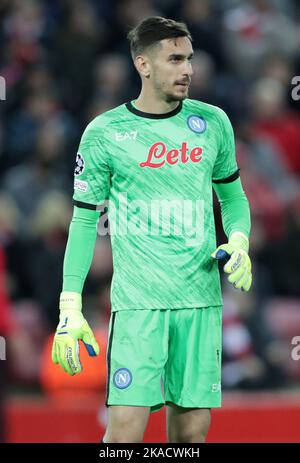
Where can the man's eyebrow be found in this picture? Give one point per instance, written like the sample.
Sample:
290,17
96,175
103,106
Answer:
180,56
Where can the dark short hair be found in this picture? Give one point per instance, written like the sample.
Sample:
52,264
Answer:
151,30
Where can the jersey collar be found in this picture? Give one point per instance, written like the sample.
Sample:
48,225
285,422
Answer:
137,112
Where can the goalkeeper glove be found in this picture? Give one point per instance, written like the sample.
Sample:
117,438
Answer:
71,328
239,265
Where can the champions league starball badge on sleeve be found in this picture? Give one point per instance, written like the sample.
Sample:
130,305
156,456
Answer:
79,167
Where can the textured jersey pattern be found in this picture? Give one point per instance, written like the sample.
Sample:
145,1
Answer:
157,176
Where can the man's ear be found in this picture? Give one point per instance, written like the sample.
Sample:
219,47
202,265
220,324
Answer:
142,65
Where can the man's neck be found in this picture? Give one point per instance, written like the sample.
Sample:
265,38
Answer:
151,104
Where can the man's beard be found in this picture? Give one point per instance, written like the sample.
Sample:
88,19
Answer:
171,97
167,95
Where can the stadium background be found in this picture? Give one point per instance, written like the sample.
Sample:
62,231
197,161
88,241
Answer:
63,63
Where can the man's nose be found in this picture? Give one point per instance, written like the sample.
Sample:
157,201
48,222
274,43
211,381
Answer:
188,70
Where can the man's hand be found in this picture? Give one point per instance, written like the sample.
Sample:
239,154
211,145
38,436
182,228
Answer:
239,265
71,328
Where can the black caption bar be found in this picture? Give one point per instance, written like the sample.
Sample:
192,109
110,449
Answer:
140,452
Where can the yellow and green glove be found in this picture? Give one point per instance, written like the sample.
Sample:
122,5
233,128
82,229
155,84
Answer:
72,327
238,265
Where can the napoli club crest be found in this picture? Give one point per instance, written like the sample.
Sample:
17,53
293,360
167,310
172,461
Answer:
197,124
122,378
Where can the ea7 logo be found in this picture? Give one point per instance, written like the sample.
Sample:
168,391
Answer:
122,136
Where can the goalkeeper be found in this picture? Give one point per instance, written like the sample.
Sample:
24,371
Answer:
165,342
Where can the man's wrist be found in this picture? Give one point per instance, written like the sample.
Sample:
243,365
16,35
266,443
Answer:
70,300
240,240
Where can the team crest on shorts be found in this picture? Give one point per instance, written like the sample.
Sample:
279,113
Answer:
122,378
80,165
197,124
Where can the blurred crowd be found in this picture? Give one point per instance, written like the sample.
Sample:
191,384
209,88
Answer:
66,61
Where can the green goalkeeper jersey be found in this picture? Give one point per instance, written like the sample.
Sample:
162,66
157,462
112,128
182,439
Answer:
156,171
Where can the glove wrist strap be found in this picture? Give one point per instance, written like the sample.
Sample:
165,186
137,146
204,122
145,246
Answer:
240,240
70,301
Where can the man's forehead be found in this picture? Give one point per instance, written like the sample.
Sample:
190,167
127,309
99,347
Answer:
176,45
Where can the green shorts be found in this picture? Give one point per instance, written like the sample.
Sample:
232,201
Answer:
160,356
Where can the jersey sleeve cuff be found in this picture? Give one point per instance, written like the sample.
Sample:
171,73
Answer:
83,205
229,179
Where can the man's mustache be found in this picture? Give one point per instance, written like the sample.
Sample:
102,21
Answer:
183,82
